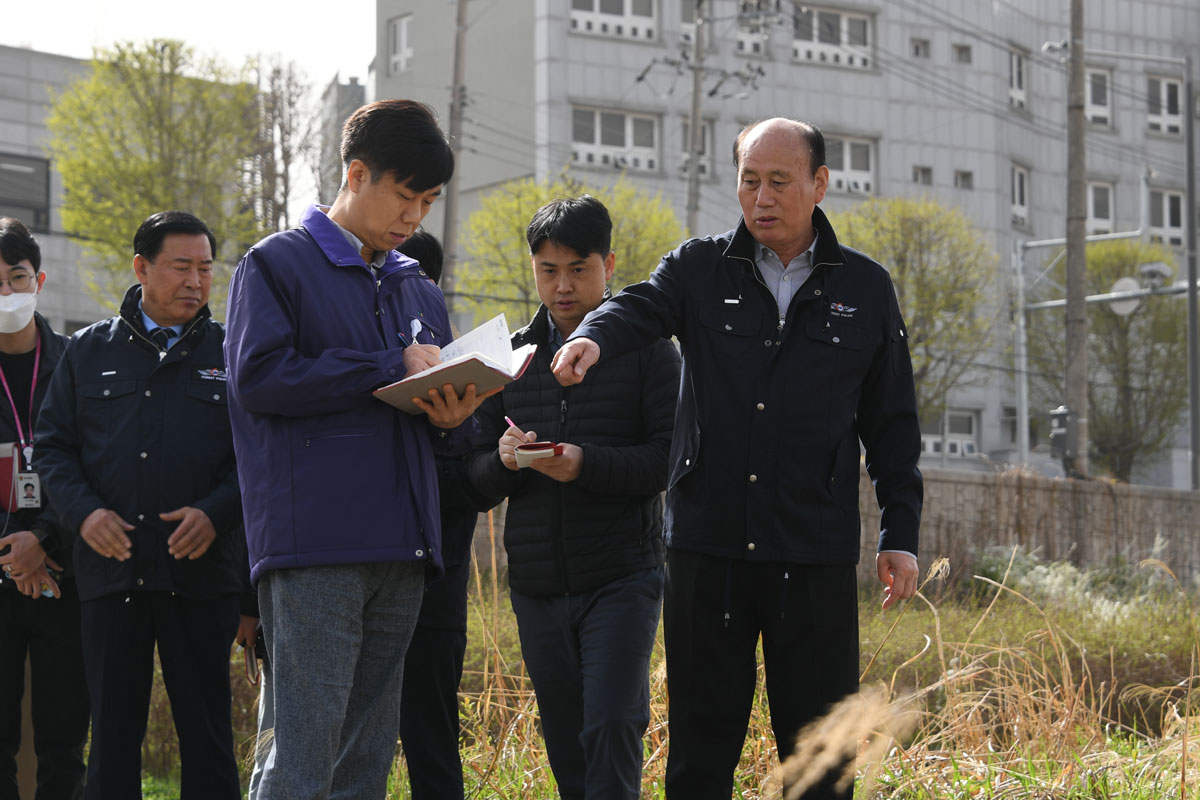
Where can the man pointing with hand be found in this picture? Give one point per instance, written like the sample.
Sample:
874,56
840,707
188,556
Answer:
794,351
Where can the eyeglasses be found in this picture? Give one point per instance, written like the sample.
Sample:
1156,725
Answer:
20,282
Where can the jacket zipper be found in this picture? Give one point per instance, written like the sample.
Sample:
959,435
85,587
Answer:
162,351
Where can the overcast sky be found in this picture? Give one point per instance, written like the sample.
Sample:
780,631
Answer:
322,38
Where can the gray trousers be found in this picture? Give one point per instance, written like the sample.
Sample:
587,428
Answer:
336,638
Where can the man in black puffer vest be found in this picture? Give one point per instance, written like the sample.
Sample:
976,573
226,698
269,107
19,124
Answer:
584,528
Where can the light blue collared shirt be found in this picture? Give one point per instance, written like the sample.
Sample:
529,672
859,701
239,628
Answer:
784,281
150,326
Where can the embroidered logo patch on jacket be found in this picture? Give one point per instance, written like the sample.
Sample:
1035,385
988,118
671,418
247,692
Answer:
842,310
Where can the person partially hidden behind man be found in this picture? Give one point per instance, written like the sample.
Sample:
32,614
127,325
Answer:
134,445
584,529
794,351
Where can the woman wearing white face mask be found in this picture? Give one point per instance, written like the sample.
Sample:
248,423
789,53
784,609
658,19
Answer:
39,607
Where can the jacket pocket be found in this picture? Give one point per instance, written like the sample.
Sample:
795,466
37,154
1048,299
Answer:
100,403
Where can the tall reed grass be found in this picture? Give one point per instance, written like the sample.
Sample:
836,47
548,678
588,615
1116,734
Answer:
1031,680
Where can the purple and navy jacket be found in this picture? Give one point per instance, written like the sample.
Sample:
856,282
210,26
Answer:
331,475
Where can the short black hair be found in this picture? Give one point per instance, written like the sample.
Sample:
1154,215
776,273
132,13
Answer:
400,138
148,241
424,247
18,244
580,223
809,134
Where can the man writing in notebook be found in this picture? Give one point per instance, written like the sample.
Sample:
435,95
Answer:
319,316
584,528
794,351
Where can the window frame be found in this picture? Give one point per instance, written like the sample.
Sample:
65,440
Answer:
626,25
848,180
843,53
922,175
1018,79
1019,210
1164,121
1167,205
1095,224
1098,113
706,151
32,210
631,157
400,53
958,50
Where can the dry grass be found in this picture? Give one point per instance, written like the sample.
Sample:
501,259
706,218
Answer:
1033,681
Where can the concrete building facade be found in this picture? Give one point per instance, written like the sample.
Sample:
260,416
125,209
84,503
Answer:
31,186
954,101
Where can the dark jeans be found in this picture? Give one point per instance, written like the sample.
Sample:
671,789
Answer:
193,636
47,630
429,697
714,611
589,658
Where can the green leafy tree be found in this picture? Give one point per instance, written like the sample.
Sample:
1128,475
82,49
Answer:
942,269
1137,378
497,277
152,127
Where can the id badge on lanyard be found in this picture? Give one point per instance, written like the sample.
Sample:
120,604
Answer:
28,488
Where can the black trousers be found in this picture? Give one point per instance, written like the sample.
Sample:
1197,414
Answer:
193,638
589,658
47,630
714,611
433,665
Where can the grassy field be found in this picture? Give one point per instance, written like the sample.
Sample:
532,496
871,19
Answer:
1033,680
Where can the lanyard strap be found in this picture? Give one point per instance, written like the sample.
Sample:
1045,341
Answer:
26,444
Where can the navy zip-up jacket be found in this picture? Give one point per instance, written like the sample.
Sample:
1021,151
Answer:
764,460
128,427
330,474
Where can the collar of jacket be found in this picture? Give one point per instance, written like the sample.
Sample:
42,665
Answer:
339,251
52,345
538,329
131,313
828,252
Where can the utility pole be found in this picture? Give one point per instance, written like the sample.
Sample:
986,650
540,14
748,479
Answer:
1189,131
458,98
695,123
1077,327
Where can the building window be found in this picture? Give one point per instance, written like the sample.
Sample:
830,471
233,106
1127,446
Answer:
1020,195
628,19
399,44
25,190
964,179
1099,208
1016,79
705,149
961,53
614,139
1166,218
1098,97
1008,424
919,48
1164,109
850,163
923,175
826,36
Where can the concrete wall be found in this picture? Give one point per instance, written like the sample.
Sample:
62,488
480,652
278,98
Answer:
1085,522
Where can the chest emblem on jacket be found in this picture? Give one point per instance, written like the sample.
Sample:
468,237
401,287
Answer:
842,310
213,374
